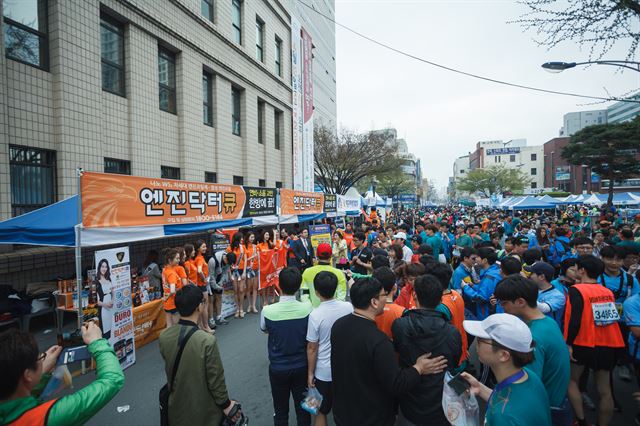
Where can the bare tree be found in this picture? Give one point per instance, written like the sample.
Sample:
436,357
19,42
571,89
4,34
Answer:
600,24
343,160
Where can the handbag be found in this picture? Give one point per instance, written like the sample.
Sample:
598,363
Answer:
165,391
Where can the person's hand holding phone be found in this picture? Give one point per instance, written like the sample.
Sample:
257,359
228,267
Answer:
91,332
49,361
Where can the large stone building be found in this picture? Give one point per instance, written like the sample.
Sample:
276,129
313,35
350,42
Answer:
185,89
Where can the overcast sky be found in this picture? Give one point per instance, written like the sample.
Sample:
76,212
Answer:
441,114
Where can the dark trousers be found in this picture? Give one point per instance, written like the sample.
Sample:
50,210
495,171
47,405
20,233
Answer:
287,382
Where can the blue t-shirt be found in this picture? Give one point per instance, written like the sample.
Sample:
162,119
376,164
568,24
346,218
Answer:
551,359
436,245
622,286
556,301
631,316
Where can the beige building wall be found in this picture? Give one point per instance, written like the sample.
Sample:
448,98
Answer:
65,109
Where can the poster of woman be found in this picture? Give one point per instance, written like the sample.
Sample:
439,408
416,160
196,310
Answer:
106,295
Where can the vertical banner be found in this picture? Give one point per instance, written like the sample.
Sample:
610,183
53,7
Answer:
113,286
296,112
220,242
271,263
319,234
307,101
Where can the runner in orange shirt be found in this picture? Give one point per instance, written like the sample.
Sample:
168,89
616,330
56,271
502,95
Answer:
253,270
171,283
202,279
238,272
391,311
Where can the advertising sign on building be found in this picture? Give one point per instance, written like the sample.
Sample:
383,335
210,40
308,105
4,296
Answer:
307,103
563,173
113,286
503,151
297,107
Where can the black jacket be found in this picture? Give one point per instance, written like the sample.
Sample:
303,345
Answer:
417,332
300,253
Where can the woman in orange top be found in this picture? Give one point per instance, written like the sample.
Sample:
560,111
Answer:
189,264
171,283
266,244
238,272
202,279
180,268
253,270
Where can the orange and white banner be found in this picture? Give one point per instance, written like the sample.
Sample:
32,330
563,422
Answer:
300,202
271,263
110,200
148,322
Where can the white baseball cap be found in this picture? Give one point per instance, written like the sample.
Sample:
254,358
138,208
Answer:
505,329
400,235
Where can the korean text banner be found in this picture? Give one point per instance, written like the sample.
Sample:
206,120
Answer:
299,202
260,201
117,200
330,203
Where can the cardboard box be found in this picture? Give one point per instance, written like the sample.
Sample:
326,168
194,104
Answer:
64,300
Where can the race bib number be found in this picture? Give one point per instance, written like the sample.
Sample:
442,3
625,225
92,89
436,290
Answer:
605,313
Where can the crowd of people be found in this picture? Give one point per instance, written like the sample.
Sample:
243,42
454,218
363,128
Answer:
526,309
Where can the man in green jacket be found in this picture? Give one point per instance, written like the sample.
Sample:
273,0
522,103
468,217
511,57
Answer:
25,372
199,393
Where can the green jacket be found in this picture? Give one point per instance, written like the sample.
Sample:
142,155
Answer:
199,390
79,407
307,283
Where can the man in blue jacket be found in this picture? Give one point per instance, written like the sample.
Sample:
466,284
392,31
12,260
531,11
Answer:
489,276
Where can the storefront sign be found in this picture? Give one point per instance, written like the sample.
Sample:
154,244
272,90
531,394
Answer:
148,321
113,285
330,203
260,201
299,202
116,200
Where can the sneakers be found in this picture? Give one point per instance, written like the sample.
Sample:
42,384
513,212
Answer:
624,373
212,324
588,402
221,321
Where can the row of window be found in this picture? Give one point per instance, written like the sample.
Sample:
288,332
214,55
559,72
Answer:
512,158
33,177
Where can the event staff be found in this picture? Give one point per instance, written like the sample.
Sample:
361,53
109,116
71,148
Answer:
593,336
202,277
171,283
253,270
267,294
238,272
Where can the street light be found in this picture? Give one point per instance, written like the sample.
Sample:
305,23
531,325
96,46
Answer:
558,67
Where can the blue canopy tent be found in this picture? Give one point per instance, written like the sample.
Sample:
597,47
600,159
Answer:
549,199
530,203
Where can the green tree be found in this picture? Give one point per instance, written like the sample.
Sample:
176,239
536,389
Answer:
611,150
493,180
395,183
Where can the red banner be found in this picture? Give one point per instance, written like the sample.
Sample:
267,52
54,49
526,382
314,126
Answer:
271,263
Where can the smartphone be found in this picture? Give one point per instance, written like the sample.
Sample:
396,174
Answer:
459,384
75,354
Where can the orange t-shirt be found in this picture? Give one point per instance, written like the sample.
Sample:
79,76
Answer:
454,302
170,276
240,256
249,251
391,313
192,271
199,262
181,273
265,247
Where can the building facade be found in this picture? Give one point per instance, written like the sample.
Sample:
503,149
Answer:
562,176
184,89
621,112
576,121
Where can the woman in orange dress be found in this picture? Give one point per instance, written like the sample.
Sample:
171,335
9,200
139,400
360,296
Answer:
266,294
189,264
202,280
238,272
180,268
252,270
171,283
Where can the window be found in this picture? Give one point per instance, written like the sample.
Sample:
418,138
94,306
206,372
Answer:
112,51
167,172
236,20
534,171
167,80
235,112
259,40
206,8
534,157
211,177
278,55
278,184
33,178
25,32
262,182
461,171
238,180
512,158
534,185
277,124
207,103
261,122
121,167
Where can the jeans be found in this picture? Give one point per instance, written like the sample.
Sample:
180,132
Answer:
287,382
562,416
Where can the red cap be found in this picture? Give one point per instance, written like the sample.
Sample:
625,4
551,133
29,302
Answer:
324,251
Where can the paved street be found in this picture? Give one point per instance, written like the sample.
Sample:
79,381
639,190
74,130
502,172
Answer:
244,354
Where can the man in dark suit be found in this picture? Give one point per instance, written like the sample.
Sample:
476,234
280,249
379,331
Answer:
303,251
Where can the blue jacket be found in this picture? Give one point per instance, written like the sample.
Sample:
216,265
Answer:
482,292
459,274
558,251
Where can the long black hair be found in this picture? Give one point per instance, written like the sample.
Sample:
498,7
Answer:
107,275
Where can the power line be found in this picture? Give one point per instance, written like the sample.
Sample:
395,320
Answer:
457,71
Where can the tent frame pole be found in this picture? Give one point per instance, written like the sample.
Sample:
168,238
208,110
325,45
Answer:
78,249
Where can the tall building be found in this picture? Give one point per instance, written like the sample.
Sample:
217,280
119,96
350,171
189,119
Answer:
188,89
624,111
576,121
313,18
460,167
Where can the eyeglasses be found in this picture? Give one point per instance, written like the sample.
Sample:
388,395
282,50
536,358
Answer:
42,356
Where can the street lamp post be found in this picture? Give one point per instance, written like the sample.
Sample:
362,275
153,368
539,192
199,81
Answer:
557,67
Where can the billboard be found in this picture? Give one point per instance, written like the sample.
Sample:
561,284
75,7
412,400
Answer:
503,151
563,173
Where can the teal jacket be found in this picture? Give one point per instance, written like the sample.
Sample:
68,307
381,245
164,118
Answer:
79,407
